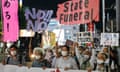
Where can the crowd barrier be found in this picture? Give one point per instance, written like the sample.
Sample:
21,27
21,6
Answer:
13,68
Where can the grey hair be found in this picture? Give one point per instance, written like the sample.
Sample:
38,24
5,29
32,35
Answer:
40,50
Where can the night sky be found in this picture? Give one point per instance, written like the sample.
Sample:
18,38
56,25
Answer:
52,5
43,4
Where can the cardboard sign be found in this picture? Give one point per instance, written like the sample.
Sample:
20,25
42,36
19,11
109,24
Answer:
10,20
78,11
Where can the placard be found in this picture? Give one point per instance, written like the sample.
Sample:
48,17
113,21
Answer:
78,11
111,39
26,33
10,20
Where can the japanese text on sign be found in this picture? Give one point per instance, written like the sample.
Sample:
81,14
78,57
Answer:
10,20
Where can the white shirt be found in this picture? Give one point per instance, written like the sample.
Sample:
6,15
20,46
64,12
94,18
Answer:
69,63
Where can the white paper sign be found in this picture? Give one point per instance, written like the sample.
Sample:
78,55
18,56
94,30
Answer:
26,33
111,39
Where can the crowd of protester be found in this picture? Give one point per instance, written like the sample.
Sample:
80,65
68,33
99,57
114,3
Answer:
66,57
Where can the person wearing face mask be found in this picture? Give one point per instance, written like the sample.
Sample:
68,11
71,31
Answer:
13,58
101,61
107,56
86,60
39,60
83,57
65,61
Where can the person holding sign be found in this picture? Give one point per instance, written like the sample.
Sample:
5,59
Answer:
83,56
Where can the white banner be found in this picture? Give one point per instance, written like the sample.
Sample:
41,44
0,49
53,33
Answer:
111,39
13,68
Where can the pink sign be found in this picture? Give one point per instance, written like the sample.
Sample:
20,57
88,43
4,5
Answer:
78,11
10,20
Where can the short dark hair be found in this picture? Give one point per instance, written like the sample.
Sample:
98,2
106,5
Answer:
66,47
13,46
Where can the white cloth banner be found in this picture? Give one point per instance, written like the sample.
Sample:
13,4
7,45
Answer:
22,69
10,68
1,68
13,68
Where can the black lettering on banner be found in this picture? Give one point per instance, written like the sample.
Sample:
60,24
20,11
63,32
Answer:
80,15
80,4
76,16
7,27
86,16
7,15
61,17
86,3
66,5
70,17
66,18
71,4
7,4
76,6
92,14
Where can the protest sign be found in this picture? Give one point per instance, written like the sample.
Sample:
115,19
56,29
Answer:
37,20
10,20
26,33
78,11
111,39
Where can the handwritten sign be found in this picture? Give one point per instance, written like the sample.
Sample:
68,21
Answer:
111,39
10,20
38,20
78,11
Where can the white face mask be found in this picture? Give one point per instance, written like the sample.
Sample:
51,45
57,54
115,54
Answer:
80,51
54,54
37,57
59,50
13,53
1,44
100,61
86,56
64,53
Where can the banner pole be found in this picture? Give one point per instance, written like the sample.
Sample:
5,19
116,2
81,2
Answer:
103,15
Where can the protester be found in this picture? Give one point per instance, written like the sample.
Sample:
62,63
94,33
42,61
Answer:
73,54
107,55
83,57
49,55
57,55
65,61
93,61
113,59
39,60
13,58
100,61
